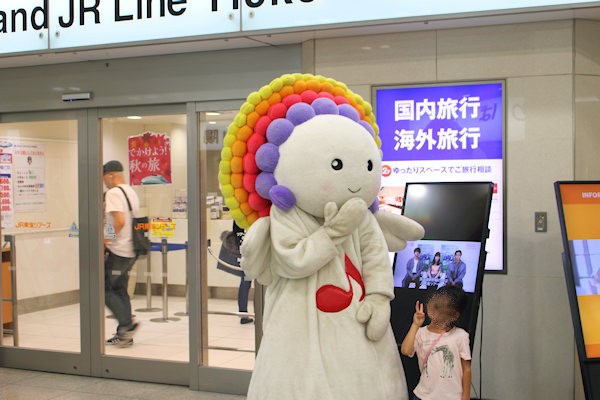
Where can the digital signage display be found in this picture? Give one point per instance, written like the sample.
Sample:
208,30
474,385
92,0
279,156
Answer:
444,133
579,211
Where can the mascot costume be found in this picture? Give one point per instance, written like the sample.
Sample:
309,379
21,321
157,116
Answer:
300,171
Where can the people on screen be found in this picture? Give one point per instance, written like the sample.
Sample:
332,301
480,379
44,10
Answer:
435,269
456,270
414,267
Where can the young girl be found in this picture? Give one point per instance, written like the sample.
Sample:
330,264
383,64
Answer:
442,348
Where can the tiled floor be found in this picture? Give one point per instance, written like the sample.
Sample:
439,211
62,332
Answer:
31,385
58,329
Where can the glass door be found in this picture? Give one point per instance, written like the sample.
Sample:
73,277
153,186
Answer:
145,310
41,249
229,305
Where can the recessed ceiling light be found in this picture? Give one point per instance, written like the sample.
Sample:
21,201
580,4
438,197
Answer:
211,113
134,117
212,122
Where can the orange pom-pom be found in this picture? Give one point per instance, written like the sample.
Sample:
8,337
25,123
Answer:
252,118
246,209
286,91
327,87
238,149
244,133
241,195
338,91
252,217
262,107
314,85
274,99
299,86
237,165
236,180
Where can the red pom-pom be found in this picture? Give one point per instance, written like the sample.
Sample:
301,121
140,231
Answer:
261,125
249,182
264,212
257,203
338,100
250,164
277,111
254,143
326,94
308,96
291,100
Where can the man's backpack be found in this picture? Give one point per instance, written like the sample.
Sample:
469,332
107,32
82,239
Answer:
139,231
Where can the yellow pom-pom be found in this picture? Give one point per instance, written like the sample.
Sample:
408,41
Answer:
254,98
225,167
247,108
227,190
288,79
226,153
265,92
237,215
276,85
240,120
368,108
232,129
224,179
232,203
229,140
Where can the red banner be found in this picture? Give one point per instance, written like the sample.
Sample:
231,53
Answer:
149,159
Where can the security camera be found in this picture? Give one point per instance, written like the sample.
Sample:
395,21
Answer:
76,96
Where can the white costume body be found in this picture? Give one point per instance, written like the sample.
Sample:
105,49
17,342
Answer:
305,353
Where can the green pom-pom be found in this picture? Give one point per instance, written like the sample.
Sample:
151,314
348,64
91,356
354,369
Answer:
276,85
224,167
226,154
240,120
247,108
227,191
224,179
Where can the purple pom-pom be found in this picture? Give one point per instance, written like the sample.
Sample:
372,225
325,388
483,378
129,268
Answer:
348,111
264,182
324,105
267,157
279,130
368,127
282,197
374,207
299,113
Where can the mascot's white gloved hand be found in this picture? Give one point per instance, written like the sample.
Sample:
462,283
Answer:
375,311
339,224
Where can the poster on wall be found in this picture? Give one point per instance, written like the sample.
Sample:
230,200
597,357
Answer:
149,159
6,192
444,133
29,184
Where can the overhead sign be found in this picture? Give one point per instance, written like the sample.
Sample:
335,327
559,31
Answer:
444,133
29,25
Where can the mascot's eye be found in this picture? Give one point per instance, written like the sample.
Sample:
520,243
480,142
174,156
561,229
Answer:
337,164
370,165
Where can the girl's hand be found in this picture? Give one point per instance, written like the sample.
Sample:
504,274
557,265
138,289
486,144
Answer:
419,316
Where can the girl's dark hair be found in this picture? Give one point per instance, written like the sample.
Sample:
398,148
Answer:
457,299
439,261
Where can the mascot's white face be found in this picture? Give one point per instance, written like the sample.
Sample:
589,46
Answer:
329,158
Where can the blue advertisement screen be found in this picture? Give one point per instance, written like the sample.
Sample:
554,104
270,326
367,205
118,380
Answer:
444,133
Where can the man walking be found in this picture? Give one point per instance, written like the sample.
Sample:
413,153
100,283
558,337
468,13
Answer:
120,204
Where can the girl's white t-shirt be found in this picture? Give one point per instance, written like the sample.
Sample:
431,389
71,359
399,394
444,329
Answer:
441,376
114,200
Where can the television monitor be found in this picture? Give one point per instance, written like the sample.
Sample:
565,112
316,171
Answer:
579,214
579,217
455,217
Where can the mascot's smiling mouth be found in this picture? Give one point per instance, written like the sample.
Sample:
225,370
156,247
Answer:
354,191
